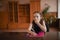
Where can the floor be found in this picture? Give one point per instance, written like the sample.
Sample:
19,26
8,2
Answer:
52,29
21,35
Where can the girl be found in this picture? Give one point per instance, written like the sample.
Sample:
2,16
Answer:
37,28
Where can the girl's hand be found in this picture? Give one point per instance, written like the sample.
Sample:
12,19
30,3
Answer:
36,21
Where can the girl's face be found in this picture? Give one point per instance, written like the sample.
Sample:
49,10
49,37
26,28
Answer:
37,16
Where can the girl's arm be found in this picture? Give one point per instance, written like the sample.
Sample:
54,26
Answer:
29,30
43,27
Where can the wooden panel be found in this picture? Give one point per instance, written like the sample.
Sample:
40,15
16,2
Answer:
34,6
23,26
3,15
10,8
12,26
16,12
13,15
24,13
3,20
24,16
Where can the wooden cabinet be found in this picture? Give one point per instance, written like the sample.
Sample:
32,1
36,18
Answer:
20,15
12,15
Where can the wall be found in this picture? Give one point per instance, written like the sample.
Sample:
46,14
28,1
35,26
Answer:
59,36
24,1
59,9
52,3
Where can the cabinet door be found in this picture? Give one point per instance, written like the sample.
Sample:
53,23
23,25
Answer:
24,16
13,14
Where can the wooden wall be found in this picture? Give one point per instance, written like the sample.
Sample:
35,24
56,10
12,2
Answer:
34,6
4,15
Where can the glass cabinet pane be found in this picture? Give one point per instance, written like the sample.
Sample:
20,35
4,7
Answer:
16,11
10,11
24,13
